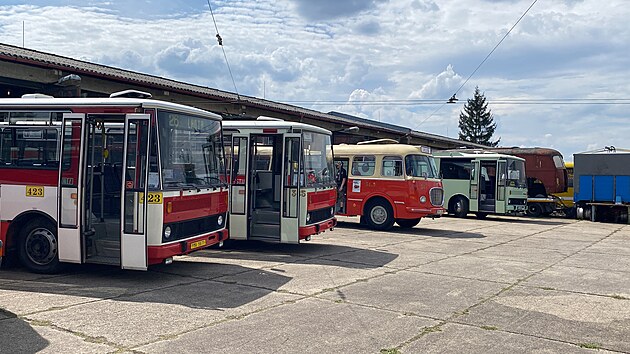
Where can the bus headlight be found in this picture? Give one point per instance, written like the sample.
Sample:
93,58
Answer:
220,220
332,211
308,217
423,199
167,232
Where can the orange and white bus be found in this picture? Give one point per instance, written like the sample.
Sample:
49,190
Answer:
389,183
282,180
121,181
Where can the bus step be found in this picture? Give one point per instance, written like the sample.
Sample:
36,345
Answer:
265,230
266,217
103,260
107,248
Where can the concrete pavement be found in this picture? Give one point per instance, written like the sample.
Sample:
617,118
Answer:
447,285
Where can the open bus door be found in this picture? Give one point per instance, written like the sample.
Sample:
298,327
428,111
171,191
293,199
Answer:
70,193
134,197
474,187
239,211
292,179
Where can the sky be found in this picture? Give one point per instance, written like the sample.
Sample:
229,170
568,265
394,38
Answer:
560,79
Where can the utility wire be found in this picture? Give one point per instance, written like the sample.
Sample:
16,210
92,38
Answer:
220,40
480,64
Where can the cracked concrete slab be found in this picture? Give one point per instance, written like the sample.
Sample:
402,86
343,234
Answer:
471,267
429,295
456,338
590,260
308,326
159,314
583,280
510,252
309,277
557,315
19,336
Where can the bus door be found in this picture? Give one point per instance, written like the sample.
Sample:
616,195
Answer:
134,197
474,187
342,199
239,181
501,187
70,192
292,178
487,185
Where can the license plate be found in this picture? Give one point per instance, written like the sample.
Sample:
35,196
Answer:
197,244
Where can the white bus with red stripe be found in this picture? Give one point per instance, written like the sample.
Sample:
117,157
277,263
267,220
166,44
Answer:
282,180
122,181
389,183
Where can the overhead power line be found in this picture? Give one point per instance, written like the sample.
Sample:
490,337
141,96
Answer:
478,66
220,41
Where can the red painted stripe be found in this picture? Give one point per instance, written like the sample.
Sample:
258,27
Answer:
306,231
321,199
157,254
195,206
23,177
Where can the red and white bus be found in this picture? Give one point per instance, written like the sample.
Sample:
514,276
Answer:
389,183
121,181
282,180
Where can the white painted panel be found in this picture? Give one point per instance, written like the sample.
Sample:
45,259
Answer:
134,254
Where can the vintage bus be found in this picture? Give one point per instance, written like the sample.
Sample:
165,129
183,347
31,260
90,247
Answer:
547,178
389,183
281,179
482,183
121,181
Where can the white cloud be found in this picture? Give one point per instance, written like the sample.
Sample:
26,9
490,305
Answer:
358,56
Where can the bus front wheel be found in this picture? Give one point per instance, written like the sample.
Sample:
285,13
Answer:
380,215
460,207
407,223
534,209
39,251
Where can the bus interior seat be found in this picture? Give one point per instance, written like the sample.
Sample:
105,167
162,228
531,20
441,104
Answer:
264,189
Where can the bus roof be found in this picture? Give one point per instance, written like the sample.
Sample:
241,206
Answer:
272,124
378,149
474,154
61,103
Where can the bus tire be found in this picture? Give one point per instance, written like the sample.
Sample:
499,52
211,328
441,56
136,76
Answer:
379,215
408,223
39,251
534,210
460,207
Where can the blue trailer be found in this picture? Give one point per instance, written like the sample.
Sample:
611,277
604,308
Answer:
602,185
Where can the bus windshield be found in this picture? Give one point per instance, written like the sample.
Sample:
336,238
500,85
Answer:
318,159
420,166
516,174
191,151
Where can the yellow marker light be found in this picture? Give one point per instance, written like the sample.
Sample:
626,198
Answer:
74,196
169,207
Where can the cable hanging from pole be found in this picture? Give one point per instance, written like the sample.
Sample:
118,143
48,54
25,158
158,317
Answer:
220,41
453,99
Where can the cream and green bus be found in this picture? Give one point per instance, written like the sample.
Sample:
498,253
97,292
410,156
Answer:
482,183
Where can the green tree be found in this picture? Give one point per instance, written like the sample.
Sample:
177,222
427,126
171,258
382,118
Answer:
476,123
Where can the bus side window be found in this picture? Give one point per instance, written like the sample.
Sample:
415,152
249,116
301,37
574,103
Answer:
363,165
392,166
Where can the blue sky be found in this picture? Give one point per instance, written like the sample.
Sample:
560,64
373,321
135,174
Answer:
358,56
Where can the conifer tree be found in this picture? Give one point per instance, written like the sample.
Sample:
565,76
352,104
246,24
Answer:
476,123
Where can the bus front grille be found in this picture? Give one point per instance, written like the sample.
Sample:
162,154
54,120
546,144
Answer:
437,196
194,227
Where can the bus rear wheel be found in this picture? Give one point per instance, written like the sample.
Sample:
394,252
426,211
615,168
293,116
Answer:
407,223
460,207
39,251
379,215
534,210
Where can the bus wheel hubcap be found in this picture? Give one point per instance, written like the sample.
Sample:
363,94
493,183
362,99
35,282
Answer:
41,246
379,214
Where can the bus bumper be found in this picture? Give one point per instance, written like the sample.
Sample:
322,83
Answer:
157,254
424,212
306,231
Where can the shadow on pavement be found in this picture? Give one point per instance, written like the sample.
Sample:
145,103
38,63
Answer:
417,231
18,336
184,283
310,253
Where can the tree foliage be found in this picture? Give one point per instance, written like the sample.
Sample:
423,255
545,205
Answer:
476,122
